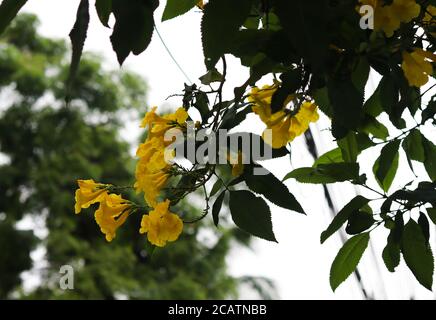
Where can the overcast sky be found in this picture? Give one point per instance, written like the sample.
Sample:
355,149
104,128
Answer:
298,264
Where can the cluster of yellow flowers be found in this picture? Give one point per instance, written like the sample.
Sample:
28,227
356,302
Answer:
160,224
417,66
152,175
283,126
112,211
388,18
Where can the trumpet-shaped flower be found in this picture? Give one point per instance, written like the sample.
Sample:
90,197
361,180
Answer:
89,192
417,66
282,126
161,225
111,214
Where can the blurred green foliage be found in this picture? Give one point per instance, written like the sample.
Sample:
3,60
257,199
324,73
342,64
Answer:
47,146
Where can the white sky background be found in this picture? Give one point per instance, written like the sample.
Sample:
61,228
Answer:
299,264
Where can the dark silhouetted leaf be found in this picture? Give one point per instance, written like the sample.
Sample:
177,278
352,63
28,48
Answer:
386,165
355,204
417,254
176,8
220,25
133,26
273,189
251,214
326,173
347,259
104,10
216,208
8,11
78,37
359,221
392,252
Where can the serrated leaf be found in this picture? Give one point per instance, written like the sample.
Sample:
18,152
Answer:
360,75
78,37
251,214
373,105
372,126
321,97
133,27
305,29
413,147
359,221
220,25
290,83
432,214
347,103
347,259
425,226
8,11
326,173
176,8
430,158
355,204
216,187
216,208
349,147
417,254
386,165
104,10
332,156
272,189
392,252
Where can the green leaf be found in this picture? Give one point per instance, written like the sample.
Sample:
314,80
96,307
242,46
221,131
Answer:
413,147
425,226
133,27
291,82
389,98
392,252
104,10
432,214
251,214
386,165
202,105
321,97
347,259
359,221
430,158
211,76
216,208
176,8
78,37
347,103
305,29
220,25
326,173
273,189
430,111
8,11
355,204
360,74
332,156
373,106
417,254
372,126
349,147
216,187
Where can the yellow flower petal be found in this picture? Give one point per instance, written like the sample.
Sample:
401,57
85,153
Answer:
161,225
